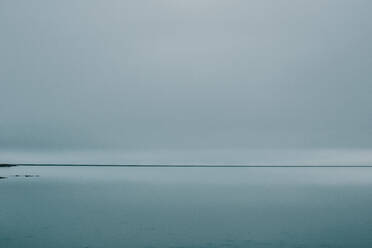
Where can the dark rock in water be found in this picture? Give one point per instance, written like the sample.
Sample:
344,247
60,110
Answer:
7,165
26,175
20,176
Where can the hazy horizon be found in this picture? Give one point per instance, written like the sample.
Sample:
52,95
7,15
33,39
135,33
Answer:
254,157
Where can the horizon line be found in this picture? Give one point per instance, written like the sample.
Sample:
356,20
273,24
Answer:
196,165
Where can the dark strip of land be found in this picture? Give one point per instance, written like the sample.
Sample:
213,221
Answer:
7,165
203,166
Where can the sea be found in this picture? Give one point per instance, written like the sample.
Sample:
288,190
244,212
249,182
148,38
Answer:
185,207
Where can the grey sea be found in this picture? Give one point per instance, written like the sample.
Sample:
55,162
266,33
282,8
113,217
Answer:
103,207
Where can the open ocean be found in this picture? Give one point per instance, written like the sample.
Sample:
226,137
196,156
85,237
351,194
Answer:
103,207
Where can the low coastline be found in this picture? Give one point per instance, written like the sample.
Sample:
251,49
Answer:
7,165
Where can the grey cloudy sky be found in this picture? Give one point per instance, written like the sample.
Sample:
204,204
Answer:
185,74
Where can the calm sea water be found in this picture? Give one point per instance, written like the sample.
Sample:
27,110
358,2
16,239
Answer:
185,207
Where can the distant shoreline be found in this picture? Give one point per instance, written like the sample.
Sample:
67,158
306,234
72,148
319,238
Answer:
7,165
196,166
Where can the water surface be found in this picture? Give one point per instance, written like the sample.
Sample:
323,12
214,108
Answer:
185,207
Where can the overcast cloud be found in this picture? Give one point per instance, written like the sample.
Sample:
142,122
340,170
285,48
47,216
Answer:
185,74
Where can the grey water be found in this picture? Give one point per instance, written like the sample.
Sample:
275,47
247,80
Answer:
185,207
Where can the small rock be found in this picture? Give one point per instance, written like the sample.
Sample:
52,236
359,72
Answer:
27,175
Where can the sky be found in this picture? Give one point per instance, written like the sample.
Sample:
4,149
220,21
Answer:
184,77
